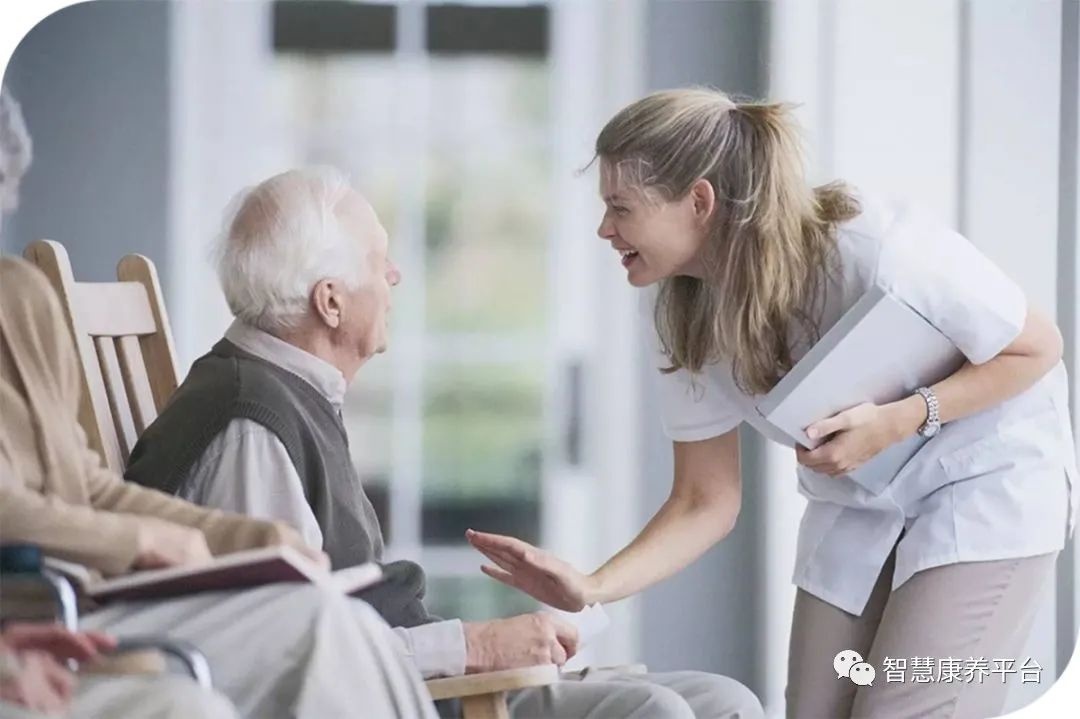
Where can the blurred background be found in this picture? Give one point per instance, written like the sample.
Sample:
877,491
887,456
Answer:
513,397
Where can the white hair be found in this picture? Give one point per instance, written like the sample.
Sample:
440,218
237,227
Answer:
280,238
15,150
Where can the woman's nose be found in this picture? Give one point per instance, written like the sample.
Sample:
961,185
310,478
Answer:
606,230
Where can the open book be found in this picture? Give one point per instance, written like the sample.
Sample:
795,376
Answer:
880,351
249,568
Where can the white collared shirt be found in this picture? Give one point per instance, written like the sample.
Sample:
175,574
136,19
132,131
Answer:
994,485
247,469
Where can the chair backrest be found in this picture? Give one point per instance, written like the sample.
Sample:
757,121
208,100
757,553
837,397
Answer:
125,347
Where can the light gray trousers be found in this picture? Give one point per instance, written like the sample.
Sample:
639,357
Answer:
672,695
286,651
299,651
963,611
169,696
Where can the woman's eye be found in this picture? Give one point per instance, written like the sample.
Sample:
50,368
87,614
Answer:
620,210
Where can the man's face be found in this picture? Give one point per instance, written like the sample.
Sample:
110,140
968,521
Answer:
365,322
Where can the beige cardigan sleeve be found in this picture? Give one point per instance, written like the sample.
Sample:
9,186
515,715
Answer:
107,533
105,541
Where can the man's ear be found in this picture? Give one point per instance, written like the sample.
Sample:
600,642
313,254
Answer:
326,302
704,200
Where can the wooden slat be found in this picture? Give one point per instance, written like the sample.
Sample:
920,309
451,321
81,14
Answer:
159,352
94,413
113,309
117,393
136,383
101,416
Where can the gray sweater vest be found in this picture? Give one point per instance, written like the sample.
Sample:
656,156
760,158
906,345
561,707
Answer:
227,384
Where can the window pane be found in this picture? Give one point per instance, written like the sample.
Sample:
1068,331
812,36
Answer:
475,599
488,197
482,443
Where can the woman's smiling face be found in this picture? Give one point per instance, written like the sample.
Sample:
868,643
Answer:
656,238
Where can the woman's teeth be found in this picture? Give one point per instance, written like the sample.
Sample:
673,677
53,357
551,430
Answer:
628,256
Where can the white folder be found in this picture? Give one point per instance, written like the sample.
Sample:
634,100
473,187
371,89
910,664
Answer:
880,351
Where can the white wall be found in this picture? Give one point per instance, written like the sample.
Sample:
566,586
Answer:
1013,86
220,142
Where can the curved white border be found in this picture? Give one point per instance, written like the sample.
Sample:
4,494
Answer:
1055,701
18,17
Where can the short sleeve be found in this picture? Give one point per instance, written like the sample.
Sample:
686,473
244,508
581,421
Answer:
943,277
690,410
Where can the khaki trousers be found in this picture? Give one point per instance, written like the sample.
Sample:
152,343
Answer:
961,612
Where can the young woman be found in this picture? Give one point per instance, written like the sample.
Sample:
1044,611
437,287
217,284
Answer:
747,266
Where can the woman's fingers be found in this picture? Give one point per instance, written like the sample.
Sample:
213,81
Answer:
511,545
514,553
496,554
499,575
508,563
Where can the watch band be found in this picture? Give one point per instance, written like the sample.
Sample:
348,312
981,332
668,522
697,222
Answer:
933,420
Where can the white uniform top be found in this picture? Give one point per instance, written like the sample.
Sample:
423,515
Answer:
995,485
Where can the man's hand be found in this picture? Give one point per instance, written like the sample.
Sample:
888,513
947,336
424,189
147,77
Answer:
166,544
523,641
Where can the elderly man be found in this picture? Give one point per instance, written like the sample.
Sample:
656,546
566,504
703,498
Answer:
256,427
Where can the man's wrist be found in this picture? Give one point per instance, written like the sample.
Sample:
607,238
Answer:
475,656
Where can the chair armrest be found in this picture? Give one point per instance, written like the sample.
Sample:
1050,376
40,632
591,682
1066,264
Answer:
64,596
25,561
192,659
493,682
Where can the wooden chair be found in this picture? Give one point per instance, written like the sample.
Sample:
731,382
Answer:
129,371
125,348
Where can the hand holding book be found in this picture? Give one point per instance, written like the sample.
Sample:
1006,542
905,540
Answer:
238,570
855,436
164,544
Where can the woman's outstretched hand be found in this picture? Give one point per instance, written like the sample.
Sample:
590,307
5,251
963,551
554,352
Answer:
534,571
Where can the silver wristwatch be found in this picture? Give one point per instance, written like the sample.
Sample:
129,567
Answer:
933,422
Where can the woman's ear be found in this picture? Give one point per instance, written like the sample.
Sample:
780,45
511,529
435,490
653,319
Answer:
704,200
326,302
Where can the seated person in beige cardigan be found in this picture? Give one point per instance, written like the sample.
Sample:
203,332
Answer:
326,654
256,427
33,679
